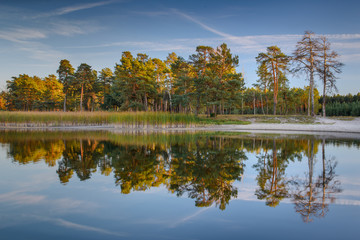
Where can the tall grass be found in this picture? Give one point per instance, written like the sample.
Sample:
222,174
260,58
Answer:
113,119
126,119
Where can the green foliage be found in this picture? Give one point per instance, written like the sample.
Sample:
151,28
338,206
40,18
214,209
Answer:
33,93
271,71
3,100
207,83
343,109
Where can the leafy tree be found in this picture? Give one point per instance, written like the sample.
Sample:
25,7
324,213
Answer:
24,92
200,62
170,80
135,81
264,82
66,75
84,78
275,62
53,94
161,71
228,83
3,103
182,84
106,78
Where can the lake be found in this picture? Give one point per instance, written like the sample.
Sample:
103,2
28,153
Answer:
104,185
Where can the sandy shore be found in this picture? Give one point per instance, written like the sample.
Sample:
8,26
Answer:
323,126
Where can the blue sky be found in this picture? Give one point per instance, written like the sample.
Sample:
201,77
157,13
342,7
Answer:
35,35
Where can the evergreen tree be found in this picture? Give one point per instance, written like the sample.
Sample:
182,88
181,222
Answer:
275,62
66,75
306,60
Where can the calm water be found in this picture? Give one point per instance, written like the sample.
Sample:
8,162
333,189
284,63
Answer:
99,185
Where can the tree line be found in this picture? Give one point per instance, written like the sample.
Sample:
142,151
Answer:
342,105
207,83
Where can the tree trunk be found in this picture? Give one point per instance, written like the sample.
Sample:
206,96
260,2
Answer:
254,104
242,105
145,103
323,173
65,101
308,106
267,104
197,109
170,104
275,102
81,97
312,92
324,99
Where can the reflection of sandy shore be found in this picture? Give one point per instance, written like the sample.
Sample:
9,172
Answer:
323,126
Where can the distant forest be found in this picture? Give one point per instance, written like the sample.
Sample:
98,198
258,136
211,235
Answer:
206,83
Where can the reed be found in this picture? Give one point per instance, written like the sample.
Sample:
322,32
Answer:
115,119
135,119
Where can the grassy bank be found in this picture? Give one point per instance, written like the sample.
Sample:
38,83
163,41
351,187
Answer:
130,119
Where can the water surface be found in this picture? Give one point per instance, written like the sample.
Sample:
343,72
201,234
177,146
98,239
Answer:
101,185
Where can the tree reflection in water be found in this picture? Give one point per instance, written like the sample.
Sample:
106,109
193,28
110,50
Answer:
310,196
203,167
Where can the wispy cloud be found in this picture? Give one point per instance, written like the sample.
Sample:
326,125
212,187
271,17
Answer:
22,198
191,216
152,13
18,198
204,26
172,45
75,8
244,45
77,226
343,36
71,28
22,34
40,51
86,227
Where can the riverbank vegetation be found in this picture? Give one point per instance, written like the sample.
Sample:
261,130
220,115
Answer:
125,119
207,83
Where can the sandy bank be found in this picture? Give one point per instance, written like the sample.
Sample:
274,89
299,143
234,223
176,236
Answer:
323,126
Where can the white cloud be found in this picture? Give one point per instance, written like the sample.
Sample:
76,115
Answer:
22,34
40,51
343,36
70,28
204,26
152,13
22,198
18,198
175,223
77,226
75,8
350,57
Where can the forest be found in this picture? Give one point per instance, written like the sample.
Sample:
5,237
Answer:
206,83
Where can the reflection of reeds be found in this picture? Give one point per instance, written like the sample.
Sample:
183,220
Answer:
129,119
140,138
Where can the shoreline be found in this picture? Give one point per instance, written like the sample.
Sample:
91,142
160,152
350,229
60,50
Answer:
323,126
